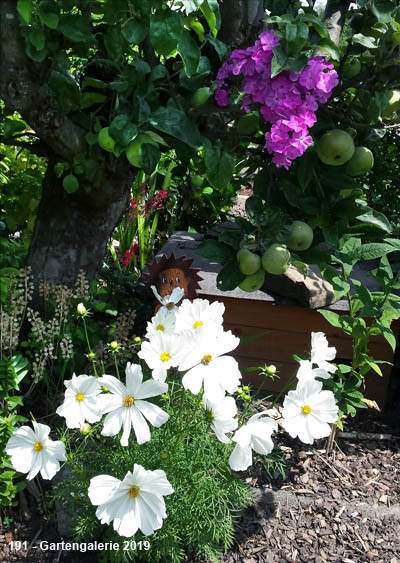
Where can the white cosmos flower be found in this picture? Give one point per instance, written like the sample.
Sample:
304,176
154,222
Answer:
163,321
32,451
307,372
255,435
125,405
200,314
321,353
169,302
208,365
162,352
81,402
308,410
221,413
134,503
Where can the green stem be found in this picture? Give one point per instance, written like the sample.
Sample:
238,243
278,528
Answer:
116,365
88,345
142,242
152,232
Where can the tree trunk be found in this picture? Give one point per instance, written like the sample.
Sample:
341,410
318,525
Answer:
72,230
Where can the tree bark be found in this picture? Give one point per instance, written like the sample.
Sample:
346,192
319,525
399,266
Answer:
71,230
241,22
334,18
71,233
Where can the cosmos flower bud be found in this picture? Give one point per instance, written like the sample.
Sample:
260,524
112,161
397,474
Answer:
81,309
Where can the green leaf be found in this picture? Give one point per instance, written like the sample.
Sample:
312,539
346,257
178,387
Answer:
49,19
372,250
233,238
141,110
305,168
190,53
76,28
255,209
327,45
149,157
115,43
386,332
37,38
122,130
34,54
316,23
24,8
66,89
175,122
210,10
216,251
191,5
134,31
198,28
394,242
375,218
70,183
230,276
222,49
372,364
383,10
220,166
263,183
369,42
93,83
278,61
166,29
296,37
341,286
89,99
369,307
332,317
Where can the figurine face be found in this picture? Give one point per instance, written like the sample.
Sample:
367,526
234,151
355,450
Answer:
171,278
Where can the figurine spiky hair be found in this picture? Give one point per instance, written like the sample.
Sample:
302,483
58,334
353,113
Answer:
169,272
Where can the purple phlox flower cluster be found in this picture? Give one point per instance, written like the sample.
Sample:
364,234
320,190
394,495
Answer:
288,101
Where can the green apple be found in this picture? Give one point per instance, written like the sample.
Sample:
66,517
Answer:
300,236
335,147
351,67
253,282
275,259
200,96
391,103
106,142
249,262
133,149
361,161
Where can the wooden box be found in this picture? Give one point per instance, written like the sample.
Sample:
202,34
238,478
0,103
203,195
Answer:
283,327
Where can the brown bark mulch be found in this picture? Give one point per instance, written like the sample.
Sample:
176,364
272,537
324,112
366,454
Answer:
342,507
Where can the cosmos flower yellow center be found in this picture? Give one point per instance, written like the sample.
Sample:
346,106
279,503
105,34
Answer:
197,324
128,401
165,356
306,409
206,359
134,491
38,446
79,397
160,327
